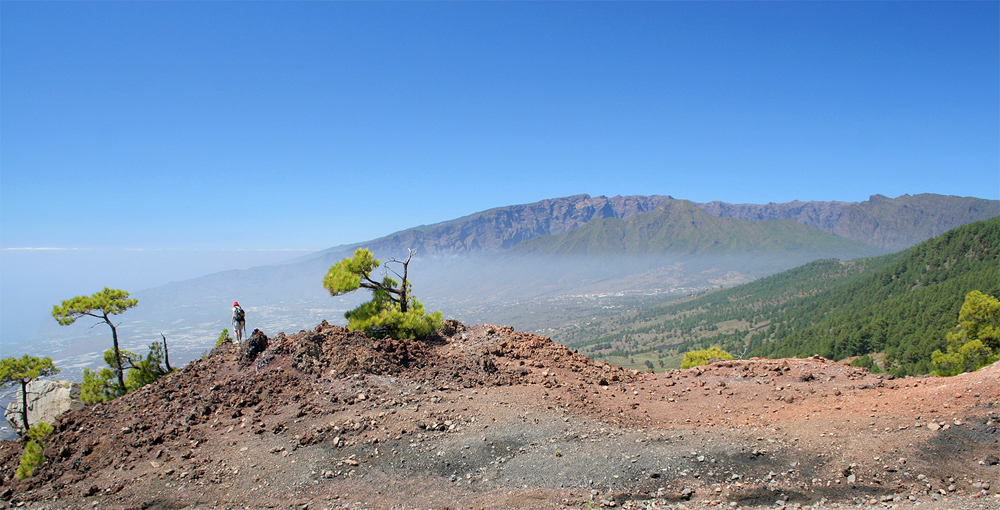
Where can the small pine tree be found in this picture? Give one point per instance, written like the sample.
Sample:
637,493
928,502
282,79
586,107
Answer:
223,337
33,454
146,370
30,459
22,371
98,387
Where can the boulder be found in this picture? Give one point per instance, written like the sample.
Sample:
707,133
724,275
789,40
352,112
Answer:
47,399
256,344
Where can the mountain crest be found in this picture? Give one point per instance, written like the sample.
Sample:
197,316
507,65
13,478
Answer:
502,228
679,227
889,223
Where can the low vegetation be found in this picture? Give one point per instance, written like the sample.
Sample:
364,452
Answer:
142,370
703,357
223,337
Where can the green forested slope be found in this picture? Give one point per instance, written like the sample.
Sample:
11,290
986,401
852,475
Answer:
904,310
900,304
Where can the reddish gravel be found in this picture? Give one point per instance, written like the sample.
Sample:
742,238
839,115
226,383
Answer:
487,417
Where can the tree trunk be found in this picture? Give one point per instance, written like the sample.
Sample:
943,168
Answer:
402,295
118,356
24,405
166,355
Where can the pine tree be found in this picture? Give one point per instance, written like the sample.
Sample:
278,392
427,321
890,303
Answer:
100,305
22,371
392,311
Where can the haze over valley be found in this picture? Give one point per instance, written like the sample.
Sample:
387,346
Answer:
549,267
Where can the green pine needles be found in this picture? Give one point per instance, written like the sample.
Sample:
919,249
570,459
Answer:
21,371
100,305
392,311
223,337
33,456
101,386
976,342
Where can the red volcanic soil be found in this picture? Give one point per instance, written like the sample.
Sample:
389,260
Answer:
487,417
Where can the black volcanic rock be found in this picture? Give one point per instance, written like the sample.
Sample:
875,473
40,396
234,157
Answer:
256,344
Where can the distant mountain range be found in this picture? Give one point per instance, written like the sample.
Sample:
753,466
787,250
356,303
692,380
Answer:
502,228
890,223
680,227
520,265
887,223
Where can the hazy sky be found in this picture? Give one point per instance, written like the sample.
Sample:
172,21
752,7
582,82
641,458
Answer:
192,130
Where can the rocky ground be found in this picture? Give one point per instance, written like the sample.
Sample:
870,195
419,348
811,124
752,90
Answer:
486,417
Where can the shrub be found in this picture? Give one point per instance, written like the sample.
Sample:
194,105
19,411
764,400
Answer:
391,322
704,357
101,386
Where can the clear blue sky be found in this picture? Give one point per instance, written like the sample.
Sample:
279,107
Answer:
220,126
167,123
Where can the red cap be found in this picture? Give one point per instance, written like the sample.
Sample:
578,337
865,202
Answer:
235,303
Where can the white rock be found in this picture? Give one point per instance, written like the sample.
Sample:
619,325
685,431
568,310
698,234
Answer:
47,400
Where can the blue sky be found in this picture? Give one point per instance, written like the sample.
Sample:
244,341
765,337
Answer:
222,134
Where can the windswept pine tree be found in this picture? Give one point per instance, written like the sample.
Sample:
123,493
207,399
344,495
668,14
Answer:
392,311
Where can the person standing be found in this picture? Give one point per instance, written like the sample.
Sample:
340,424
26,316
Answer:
239,321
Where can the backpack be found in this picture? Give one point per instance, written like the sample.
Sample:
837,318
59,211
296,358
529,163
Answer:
239,314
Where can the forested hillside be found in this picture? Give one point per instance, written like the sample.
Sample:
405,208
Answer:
901,305
904,310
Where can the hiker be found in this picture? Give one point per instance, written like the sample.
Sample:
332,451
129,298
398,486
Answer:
239,321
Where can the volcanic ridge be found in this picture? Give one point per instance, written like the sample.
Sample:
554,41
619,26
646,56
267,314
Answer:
487,417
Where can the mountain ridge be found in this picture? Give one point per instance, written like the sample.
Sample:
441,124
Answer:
501,228
889,223
680,227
